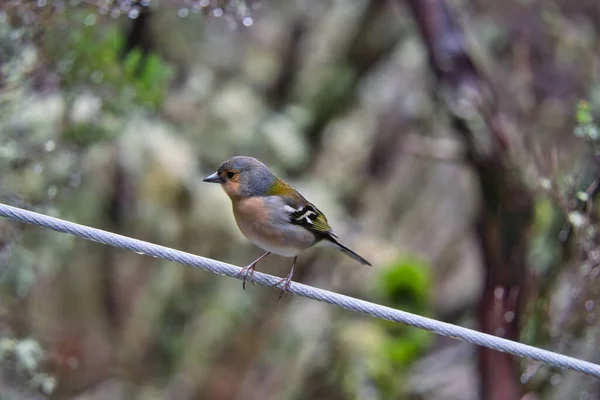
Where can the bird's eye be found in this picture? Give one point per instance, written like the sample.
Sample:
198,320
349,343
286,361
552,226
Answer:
230,174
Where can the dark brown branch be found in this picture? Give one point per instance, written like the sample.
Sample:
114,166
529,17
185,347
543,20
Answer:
505,218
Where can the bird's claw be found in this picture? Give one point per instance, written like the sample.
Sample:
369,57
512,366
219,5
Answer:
249,270
287,282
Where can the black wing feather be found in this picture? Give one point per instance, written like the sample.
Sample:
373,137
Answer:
311,218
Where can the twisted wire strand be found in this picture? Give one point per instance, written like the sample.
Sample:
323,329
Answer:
346,302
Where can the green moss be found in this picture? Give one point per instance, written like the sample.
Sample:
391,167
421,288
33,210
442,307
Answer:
582,113
376,353
544,215
405,284
586,128
404,348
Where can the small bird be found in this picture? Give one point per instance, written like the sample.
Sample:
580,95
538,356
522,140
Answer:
272,214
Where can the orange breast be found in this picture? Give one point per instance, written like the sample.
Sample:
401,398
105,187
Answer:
254,221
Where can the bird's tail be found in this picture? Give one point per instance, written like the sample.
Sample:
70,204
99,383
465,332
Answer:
347,251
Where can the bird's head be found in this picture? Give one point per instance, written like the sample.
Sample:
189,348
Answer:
243,177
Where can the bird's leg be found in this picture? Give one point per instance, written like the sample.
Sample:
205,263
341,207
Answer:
287,280
249,270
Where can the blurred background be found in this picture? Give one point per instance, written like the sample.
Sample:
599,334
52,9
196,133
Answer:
451,143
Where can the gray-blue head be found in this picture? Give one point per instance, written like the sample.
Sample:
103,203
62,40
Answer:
243,177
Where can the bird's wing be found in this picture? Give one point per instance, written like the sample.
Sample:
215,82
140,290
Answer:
304,213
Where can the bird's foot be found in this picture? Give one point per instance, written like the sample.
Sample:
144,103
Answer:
245,272
287,281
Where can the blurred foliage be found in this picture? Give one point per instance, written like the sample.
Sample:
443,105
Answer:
377,355
85,134
563,253
406,285
25,358
586,128
18,60
88,58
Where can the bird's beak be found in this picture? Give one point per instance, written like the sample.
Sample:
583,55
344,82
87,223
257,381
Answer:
214,178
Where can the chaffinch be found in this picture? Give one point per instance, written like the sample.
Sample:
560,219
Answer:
272,214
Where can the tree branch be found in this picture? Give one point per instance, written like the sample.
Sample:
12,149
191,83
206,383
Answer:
505,218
